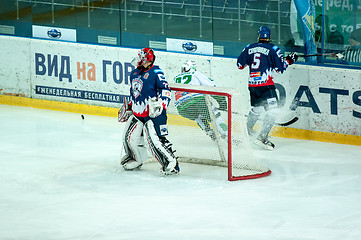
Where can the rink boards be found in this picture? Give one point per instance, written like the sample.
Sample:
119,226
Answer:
92,79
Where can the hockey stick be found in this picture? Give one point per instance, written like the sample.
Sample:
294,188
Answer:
284,124
293,106
295,102
338,55
292,121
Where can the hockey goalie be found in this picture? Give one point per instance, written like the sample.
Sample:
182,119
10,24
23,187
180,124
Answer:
146,117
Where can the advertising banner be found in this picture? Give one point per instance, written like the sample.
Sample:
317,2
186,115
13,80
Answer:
54,33
189,46
87,75
329,98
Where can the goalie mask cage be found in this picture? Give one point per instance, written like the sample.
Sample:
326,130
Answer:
224,140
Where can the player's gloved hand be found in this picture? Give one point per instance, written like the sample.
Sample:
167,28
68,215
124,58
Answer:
125,111
123,114
292,58
155,107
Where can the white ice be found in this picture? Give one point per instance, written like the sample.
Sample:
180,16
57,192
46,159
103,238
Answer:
60,180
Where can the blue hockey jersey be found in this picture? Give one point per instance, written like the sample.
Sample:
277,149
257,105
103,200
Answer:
145,85
262,59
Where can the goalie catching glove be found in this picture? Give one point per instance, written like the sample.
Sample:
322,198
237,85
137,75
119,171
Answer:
125,111
155,107
292,58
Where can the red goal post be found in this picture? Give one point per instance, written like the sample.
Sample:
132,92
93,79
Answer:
227,145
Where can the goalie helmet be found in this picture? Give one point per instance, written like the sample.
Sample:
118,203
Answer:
146,55
264,32
188,65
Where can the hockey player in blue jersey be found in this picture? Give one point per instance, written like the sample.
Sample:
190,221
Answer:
263,58
146,117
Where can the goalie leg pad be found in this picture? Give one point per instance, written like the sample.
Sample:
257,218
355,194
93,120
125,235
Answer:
129,163
161,149
134,144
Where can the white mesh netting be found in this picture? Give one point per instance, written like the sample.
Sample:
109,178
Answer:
206,126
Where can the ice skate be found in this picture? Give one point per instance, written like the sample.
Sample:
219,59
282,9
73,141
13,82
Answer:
169,170
264,143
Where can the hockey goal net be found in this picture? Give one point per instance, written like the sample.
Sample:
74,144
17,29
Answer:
206,127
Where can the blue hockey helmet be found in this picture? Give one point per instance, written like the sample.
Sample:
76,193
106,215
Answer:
264,32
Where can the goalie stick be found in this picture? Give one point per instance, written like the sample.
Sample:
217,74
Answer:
338,55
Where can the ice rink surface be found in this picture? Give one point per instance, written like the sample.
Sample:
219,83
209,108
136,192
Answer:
60,180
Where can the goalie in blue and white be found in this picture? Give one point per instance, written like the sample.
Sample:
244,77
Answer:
193,105
146,117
